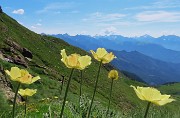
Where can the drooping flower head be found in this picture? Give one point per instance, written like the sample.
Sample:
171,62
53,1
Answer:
75,60
152,95
113,74
21,76
27,92
102,55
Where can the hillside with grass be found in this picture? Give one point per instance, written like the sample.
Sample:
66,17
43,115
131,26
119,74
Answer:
40,55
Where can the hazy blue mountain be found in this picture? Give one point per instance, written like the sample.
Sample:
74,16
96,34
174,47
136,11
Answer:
150,70
145,44
83,41
170,41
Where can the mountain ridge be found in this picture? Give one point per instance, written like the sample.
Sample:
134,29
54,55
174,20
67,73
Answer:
150,70
118,42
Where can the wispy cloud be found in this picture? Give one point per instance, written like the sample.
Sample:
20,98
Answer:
109,31
57,6
102,17
18,11
158,16
33,27
157,5
38,24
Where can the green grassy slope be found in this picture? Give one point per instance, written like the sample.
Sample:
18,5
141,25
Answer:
46,63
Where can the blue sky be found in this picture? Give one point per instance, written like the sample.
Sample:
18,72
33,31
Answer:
102,17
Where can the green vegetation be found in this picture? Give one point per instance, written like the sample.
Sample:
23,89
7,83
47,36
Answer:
47,64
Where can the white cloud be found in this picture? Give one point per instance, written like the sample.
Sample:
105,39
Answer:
109,31
157,5
158,16
33,27
19,11
38,24
57,6
102,17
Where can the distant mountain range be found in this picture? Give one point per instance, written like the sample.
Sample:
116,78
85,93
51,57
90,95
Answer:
144,58
150,70
153,47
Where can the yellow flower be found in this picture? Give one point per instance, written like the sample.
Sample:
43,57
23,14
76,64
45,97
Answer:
152,95
27,92
21,75
102,55
75,60
113,74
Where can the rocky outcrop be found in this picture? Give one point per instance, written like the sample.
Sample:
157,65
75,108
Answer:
14,53
6,86
19,60
1,11
13,44
26,53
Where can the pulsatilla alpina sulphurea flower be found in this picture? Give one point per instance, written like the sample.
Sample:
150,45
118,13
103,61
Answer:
27,92
21,76
102,55
75,61
152,95
113,74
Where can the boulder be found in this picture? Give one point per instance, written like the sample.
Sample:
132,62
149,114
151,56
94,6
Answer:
14,44
17,59
26,53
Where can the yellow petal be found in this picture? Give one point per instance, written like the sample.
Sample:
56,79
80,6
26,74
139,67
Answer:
138,92
64,56
95,55
163,97
24,72
27,92
72,60
163,102
113,74
102,55
25,79
101,52
84,61
14,73
151,94
7,72
108,58
21,92
35,79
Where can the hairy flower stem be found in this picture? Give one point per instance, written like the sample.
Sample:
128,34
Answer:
80,93
14,102
25,106
67,88
62,83
147,109
94,90
110,96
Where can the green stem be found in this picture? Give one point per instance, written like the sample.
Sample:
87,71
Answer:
147,109
14,102
110,96
62,84
25,106
80,87
94,89
62,109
